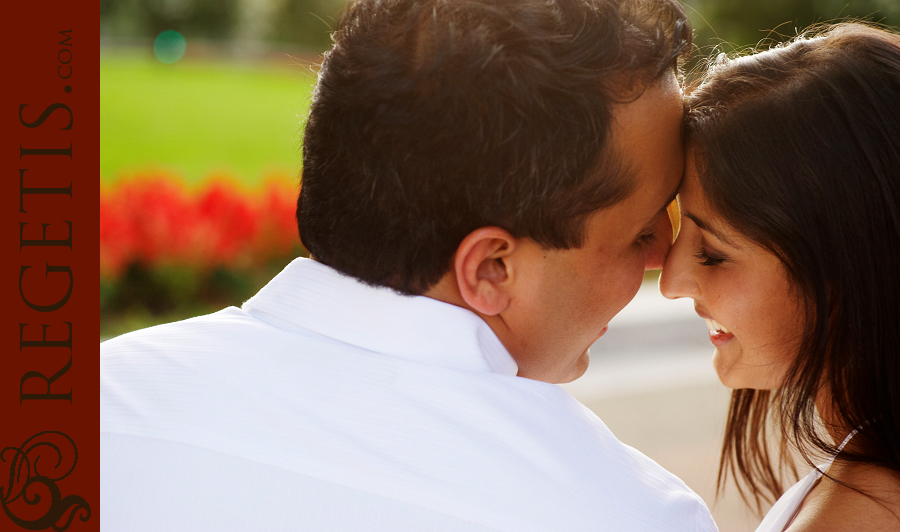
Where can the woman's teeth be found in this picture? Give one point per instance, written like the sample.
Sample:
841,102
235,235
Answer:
715,327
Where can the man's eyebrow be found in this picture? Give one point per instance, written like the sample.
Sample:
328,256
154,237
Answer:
670,200
665,206
699,222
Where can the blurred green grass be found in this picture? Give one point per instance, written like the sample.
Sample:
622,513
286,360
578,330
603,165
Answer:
197,117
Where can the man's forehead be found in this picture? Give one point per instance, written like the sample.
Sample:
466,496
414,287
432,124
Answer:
671,198
647,136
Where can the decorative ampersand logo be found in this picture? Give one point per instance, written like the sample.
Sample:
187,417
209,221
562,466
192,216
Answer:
31,498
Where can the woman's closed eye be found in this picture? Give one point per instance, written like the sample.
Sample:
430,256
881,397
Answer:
707,258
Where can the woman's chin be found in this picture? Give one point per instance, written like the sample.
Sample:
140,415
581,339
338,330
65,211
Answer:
725,376
730,375
738,378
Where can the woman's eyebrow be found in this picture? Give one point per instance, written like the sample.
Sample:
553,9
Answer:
699,222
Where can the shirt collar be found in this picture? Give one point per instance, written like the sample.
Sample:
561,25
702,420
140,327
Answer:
312,296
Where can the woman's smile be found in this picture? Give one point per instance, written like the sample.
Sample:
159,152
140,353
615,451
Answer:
718,334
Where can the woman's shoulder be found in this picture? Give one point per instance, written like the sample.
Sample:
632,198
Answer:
833,507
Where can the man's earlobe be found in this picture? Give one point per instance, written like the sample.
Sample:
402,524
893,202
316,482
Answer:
482,272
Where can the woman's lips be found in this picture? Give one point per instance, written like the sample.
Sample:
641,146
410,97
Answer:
718,334
602,332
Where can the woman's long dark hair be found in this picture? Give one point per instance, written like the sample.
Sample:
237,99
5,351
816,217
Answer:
799,150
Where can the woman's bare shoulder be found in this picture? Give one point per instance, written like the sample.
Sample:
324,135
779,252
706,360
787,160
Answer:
831,507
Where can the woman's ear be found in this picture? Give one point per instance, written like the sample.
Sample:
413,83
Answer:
482,273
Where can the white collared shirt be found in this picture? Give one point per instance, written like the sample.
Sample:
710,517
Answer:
325,404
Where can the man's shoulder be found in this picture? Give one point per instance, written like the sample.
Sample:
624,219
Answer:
176,330
228,333
170,371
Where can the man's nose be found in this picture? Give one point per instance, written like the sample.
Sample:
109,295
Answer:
655,254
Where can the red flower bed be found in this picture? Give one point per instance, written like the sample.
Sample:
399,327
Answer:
153,220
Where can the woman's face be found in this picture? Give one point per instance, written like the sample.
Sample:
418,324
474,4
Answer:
742,290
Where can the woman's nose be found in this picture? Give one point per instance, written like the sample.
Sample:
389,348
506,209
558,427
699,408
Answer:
676,279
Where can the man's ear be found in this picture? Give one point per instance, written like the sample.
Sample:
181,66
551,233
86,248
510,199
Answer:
482,272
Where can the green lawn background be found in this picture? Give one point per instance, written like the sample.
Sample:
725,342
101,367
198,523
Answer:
197,117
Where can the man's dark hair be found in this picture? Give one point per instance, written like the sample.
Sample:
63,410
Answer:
432,118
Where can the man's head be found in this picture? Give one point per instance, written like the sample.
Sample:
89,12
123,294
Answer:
437,122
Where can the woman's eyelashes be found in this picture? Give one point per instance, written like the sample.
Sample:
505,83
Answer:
707,258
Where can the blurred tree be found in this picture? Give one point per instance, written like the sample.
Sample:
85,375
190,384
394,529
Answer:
308,23
247,22
142,19
726,25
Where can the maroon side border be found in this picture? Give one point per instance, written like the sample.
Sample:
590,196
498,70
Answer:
49,272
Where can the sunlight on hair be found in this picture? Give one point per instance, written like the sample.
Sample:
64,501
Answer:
674,217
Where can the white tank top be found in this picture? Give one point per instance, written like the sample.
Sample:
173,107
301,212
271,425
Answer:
787,506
